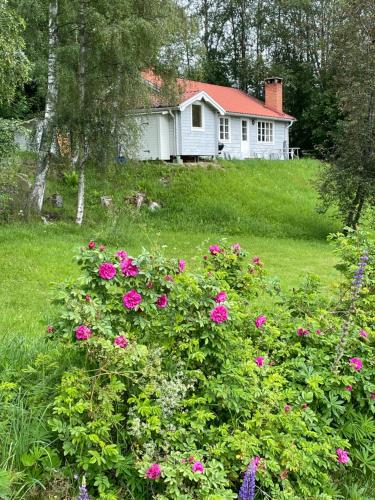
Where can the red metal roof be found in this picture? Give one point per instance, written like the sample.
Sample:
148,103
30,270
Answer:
230,99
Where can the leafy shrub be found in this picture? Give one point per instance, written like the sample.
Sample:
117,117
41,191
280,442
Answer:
180,379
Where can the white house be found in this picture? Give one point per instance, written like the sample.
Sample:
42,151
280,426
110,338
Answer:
207,116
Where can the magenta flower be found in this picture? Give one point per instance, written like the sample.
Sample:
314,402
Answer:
128,268
198,467
153,472
162,301
356,363
236,247
101,248
50,329
132,299
191,459
88,298
349,388
107,271
214,249
260,321
181,265
363,333
91,244
168,277
255,461
287,408
318,332
342,456
121,341
259,360
219,314
256,261
122,255
83,332
221,297
301,332
372,395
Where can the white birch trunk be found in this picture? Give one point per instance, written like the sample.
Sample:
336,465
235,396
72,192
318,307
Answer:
82,142
37,194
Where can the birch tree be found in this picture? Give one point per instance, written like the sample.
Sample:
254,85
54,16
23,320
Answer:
48,129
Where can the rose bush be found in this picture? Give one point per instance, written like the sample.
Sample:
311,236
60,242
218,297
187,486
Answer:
181,378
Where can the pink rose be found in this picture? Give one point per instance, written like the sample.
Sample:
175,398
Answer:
342,456
91,244
256,261
259,360
260,321
50,329
198,467
349,388
287,408
121,254
236,247
214,249
121,341
153,472
168,277
221,297
132,299
88,298
356,363
301,332
107,271
219,314
128,268
162,301
363,333
83,332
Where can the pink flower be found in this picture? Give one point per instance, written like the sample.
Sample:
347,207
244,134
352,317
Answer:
50,329
149,284
128,268
256,261
255,461
287,408
168,277
121,254
260,321
101,248
342,456
349,388
305,406
83,332
302,332
107,271
191,459
181,265
121,341
356,363
363,333
132,299
153,472
318,332
88,298
214,249
259,360
372,395
219,314
91,244
198,467
236,247
221,297
162,301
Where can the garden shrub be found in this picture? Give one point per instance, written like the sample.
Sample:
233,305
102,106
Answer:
182,382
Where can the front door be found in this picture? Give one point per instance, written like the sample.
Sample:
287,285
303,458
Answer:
244,138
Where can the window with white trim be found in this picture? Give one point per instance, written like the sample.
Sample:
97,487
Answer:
196,116
265,132
244,130
224,129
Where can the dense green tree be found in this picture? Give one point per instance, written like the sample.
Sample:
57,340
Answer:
349,180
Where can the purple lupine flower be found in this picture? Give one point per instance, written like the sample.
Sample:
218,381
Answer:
359,274
83,493
247,490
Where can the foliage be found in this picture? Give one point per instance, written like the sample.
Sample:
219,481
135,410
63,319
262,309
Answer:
190,387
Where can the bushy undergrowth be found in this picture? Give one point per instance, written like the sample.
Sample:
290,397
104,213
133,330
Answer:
178,383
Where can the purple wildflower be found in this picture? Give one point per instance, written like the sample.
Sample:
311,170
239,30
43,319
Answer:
247,490
83,493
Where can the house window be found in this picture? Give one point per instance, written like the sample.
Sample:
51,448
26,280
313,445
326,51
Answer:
244,130
196,116
265,132
224,129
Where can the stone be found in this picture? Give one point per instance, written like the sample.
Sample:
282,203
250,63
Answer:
106,201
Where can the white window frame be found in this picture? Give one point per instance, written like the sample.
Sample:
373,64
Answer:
244,120
200,129
272,126
229,128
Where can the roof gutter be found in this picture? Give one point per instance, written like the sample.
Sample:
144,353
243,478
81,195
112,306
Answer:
174,130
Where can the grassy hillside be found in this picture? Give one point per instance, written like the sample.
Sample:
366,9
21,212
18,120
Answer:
267,206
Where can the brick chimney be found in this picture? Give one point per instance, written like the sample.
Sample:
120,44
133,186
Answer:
273,93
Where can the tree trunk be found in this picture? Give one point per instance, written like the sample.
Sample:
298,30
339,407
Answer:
37,194
352,211
82,142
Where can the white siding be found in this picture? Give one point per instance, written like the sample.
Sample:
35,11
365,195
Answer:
199,142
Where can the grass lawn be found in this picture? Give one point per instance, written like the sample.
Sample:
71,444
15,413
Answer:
267,206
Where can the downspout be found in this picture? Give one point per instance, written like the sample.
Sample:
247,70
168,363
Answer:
174,133
287,139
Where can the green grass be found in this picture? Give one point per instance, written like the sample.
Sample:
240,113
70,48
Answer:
267,206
